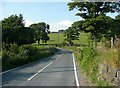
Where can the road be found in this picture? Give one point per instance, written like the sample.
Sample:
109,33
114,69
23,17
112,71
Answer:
56,70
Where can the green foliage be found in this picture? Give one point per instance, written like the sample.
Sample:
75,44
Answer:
94,9
99,26
111,29
88,63
89,55
13,31
13,21
78,25
41,31
102,83
116,27
45,37
71,34
15,55
95,20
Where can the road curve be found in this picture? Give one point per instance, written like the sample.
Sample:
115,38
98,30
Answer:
56,70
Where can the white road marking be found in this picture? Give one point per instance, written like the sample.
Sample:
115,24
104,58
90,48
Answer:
39,71
59,57
42,69
75,70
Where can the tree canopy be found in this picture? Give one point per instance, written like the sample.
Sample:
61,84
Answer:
13,31
95,20
71,34
41,31
93,9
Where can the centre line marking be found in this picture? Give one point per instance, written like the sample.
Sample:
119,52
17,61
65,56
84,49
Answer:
42,69
59,57
39,71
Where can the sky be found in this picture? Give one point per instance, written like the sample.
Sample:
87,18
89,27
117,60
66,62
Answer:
56,14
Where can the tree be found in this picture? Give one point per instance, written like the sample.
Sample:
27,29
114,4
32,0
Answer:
13,31
37,31
44,32
98,25
0,34
114,31
24,35
41,31
13,21
93,9
44,37
94,14
61,31
71,34
117,26
78,25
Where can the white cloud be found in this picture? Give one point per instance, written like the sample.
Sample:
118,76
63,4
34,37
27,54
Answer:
28,23
54,27
60,25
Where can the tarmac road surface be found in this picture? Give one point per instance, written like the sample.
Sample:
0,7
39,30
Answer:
56,70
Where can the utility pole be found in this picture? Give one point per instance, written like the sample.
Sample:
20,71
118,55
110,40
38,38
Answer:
58,38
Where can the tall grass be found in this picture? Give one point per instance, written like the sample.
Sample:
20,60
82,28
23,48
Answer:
110,57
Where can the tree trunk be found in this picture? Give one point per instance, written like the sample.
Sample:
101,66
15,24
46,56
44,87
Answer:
38,41
45,41
42,41
71,43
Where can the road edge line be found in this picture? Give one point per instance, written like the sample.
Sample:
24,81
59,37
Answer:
75,71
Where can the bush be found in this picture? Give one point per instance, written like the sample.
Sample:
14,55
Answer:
15,55
89,63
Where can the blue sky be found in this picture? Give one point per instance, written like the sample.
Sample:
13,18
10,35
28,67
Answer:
39,11
56,14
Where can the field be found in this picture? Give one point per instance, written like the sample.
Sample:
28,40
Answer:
83,39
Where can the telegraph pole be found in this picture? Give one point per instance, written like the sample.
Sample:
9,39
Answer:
58,38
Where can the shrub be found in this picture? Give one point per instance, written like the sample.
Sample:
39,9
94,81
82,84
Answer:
15,55
89,61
